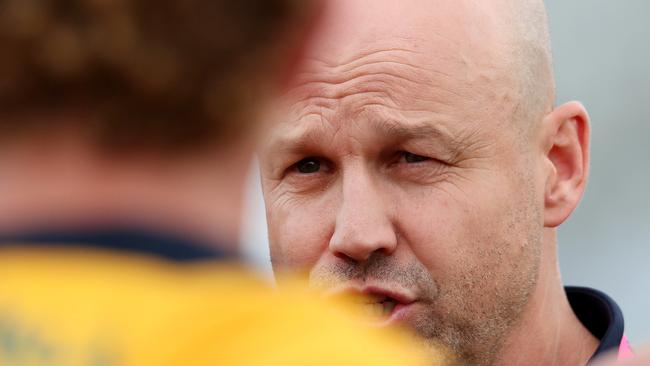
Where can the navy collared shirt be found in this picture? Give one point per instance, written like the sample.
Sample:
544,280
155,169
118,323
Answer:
126,240
600,315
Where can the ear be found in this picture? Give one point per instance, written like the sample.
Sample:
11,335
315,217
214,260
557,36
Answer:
566,148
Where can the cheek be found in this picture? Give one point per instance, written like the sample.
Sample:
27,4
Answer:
452,229
433,229
298,236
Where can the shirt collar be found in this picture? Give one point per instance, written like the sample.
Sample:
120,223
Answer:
600,315
132,240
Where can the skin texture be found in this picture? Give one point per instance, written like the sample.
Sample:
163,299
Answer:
422,155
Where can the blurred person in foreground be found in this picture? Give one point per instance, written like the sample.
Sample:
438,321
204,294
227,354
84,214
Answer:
126,131
425,164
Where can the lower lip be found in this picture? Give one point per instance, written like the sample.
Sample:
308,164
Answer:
397,316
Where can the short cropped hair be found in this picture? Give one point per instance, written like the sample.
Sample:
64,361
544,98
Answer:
153,74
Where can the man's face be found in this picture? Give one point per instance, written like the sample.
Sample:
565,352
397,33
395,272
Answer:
400,173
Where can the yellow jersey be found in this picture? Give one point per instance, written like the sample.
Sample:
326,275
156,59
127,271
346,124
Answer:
102,308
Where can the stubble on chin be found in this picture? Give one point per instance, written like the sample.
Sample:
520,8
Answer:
468,315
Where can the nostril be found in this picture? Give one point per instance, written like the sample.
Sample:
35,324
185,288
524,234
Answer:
385,250
345,257
359,251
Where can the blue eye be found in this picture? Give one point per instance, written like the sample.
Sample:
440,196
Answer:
308,165
413,158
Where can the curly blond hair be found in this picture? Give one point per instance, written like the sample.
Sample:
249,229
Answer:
164,74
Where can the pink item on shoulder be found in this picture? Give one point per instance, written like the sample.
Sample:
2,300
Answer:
624,350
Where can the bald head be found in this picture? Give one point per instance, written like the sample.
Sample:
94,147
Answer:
500,47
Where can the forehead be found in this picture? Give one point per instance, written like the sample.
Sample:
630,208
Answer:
467,29
447,58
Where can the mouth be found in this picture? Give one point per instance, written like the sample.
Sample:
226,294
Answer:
377,306
382,306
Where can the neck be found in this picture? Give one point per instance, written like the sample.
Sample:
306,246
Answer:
549,332
60,185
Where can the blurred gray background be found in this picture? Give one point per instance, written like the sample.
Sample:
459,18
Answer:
602,58
602,51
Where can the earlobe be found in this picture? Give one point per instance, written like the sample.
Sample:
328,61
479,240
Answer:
567,154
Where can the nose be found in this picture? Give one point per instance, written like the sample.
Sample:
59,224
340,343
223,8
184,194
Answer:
363,223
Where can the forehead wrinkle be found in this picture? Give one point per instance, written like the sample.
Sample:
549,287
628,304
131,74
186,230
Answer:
413,63
355,59
395,69
379,82
401,82
397,56
386,86
336,83
298,135
399,127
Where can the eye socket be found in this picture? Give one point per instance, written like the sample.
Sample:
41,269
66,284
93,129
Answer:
411,158
308,165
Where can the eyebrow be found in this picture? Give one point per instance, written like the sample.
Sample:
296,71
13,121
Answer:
417,130
304,135
296,136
